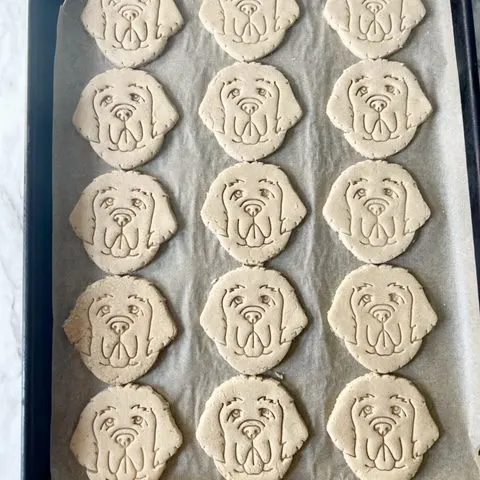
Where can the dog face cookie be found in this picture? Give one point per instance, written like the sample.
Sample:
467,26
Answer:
373,28
253,315
131,33
125,433
249,29
378,105
382,315
119,325
122,219
383,427
376,208
252,209
125,115
249,107
251,429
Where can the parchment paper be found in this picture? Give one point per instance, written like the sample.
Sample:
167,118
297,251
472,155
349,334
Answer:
447,368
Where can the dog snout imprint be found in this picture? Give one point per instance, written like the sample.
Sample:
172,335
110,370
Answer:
122,219
253,315
382,425
373,28
249,107
131,33
125,433
125,115
376,208
382,314
249,29
378,105
251,429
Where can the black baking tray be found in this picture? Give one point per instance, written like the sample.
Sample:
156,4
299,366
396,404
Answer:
38,315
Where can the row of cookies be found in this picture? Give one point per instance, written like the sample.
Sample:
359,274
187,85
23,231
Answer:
120,323
381,423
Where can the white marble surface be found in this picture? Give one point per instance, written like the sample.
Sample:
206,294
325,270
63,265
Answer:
13,43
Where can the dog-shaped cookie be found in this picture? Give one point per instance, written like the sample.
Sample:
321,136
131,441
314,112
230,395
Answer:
252,209
122,219
131,33
119,325
251,428
383,427
376,208
125,433
373,28
382,314
249,29
249,107
378,105
125,115
253,315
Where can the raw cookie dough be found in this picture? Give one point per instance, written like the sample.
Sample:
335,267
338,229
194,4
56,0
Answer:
378,105
125,433
382,314
249,29
251,429
253,315
373,28
122,219
119,325
249,107
383,427
125,115
252,209
376,208
131,33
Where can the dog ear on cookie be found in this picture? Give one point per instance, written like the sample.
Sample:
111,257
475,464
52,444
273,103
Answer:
340,426
212,15
164,224
212,111
170,19
296,428
343,324
337,14
424,317
212,318
77,327
339,107
93,19
209,431
293,210
336,210
425,431
85,118
412,13
294,319
287,12
416,210
82,218
213,213
162,328
289,111
418,105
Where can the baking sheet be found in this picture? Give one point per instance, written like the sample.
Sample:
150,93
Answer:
446,370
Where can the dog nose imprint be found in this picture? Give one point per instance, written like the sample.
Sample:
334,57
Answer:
382,428
122,219
382,315
252,209
252,316
251,431
124,439
376,209
123,114
248,9
378,105
119,327
249,108
129,14
374,7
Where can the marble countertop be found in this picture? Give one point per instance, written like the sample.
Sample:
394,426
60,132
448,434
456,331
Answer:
13,43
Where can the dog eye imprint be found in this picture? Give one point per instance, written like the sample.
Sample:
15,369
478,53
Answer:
234,414
362,91
365,299
108,423
366,411
106,100
397,411
262,92
133,309
137,420
236,301
237,195
266,413
391,89
389,192
266,193
267,300
360,193
136,98
233,93
105,310
136,202
395,298
108,202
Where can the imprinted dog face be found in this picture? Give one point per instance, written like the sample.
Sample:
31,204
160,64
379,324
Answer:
249,29
382,315
253,315
376,208
378,105
251,427
131,33
119,325
249,108
374,28
124,114
122,219
252,208
382,425
125,433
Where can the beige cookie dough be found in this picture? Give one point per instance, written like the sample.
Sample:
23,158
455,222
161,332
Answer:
131,33
122,219
383,427
378,105
125,115
119,325
382,314
376,208
253,314
251,429
373,28
249,107
125,433
252,209
249,29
